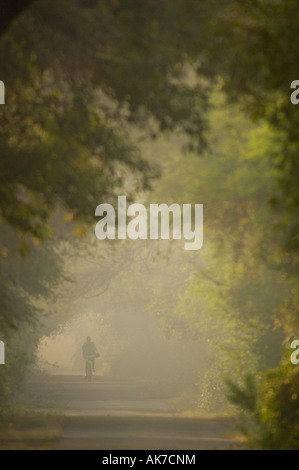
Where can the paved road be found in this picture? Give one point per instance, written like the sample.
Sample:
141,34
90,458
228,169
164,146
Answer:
112,414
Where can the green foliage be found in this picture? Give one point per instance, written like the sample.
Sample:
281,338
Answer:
81,77
25,280
20,355
239,300
270,411
254,51
233,296
26,284
246,395
64,133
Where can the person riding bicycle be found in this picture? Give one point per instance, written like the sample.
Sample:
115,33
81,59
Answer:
90,351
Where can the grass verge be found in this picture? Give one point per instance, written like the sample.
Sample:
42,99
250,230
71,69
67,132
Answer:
24,429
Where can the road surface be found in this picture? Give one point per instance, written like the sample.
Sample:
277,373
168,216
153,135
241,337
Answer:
111,414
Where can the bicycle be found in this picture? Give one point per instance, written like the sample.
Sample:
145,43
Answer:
89,363
89,366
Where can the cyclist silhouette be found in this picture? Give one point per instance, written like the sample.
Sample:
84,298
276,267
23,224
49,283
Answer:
90,351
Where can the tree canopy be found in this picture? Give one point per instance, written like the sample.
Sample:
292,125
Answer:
90,86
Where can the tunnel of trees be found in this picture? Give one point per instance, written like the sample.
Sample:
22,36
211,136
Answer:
92,89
